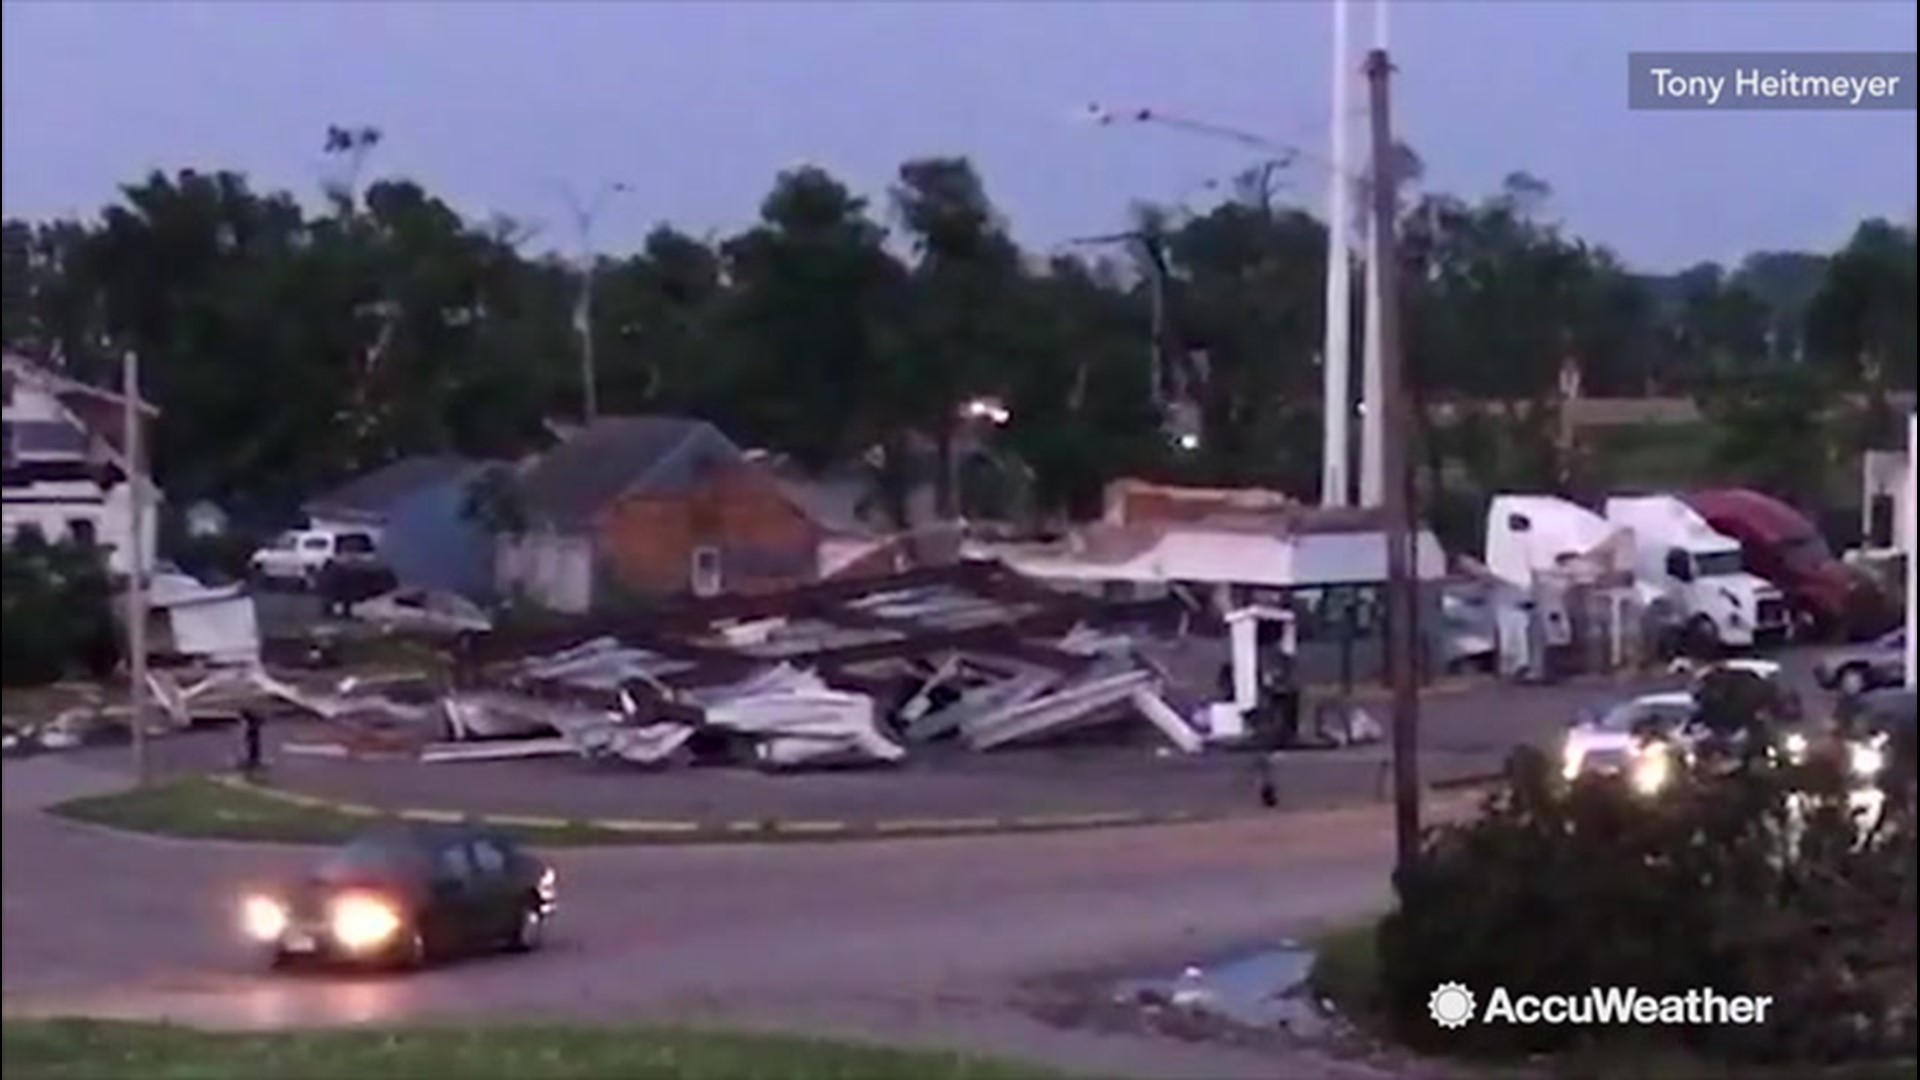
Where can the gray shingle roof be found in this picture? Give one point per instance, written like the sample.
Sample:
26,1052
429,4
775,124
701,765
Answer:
374,493
618,456
845,503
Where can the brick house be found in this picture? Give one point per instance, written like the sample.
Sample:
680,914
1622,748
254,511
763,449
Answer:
651,506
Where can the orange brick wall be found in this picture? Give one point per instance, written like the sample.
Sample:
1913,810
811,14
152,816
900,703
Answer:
765,541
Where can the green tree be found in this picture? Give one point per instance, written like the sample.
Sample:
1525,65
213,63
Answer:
814,299
965,272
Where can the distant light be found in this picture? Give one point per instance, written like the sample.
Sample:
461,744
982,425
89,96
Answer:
1188,441
987,409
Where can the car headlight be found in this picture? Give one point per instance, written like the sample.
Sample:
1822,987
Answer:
1796,746
1866,760
549,884
1652,769
362,922
1571,759
263,918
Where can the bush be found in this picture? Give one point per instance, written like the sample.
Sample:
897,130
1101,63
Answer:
58,617
1745,877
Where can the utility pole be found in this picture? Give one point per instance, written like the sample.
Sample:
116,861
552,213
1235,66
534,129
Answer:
136,480
1372,421
585,213
1402,584
1336,354
1913,571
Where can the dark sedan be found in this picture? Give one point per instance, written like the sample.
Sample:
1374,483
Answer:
405,896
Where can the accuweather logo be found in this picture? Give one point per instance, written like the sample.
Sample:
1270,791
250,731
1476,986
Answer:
1453,1005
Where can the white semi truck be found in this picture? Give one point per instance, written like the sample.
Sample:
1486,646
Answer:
1697,574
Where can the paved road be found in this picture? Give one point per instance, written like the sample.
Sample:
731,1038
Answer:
921,941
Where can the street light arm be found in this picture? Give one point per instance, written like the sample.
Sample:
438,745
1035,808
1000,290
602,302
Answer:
1285,155
585,212
1107,117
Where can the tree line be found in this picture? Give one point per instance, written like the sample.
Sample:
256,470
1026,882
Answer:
293,343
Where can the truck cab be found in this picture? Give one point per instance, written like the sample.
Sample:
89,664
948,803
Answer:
1779,544
1698,573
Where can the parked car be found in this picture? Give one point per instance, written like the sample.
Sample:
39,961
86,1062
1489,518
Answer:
424,611
406,896
1785,699
1856,670
301,556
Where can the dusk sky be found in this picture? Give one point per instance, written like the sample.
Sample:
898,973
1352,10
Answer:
697,105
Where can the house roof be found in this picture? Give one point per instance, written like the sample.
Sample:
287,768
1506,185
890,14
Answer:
621,456
33,372
375,492
843,501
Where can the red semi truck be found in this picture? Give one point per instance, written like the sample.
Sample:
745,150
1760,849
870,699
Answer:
1780,544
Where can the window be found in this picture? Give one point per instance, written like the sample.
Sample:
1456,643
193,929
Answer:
353,544
1719,564
1881,514
1679,565
1808,552
454,864
1647,717
706,571
488,858
380,855
81,531
315,543
1519,523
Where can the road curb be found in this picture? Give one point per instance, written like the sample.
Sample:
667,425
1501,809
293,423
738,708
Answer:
631,832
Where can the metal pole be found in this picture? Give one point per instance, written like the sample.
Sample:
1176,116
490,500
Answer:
136,480
1907,523
1336,355
1372,470
589,380
584,215
1401,627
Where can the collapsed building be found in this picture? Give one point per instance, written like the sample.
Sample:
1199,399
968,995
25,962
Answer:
862,671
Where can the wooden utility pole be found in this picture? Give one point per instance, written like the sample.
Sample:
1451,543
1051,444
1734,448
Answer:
1402,585
136,551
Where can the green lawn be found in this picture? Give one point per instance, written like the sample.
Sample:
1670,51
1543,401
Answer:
90,1050
199,808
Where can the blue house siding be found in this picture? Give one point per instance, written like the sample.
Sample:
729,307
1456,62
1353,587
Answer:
429,543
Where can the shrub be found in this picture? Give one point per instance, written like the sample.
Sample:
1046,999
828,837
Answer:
1745,877
57,605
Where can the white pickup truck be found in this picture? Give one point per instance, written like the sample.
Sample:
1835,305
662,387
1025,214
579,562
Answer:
299,555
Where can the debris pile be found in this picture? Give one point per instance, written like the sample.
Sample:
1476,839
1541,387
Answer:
859,672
